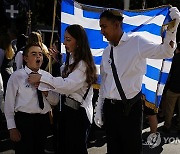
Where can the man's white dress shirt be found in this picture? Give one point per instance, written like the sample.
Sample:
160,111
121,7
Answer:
130,61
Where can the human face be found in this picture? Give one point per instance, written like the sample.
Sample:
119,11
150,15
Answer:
34,58
69,42
109,29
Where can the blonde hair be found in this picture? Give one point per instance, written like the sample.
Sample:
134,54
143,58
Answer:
34,38
6,45
9,52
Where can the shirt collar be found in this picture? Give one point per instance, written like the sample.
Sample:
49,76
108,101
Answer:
124,38
28,70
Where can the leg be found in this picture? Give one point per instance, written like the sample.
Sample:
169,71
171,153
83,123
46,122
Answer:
153,123
152,118
132,133
171,99
112,118
83,132
123,133
24,124
162,106
55,128
40,131
75,126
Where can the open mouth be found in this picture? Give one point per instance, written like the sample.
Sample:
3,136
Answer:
38,61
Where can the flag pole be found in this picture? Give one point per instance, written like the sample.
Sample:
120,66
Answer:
50,58
52,34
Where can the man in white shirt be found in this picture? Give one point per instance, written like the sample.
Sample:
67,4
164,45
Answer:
27,121
123,129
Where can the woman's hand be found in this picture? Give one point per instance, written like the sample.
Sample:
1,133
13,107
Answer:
34,79
54,53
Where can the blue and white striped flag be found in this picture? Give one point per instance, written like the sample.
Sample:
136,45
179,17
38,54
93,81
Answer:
146,23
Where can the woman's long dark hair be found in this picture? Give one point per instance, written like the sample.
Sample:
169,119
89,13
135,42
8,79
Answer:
82,52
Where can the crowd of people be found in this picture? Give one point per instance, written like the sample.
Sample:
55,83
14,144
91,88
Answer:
31,93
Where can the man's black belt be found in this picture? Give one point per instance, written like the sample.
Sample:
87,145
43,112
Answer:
132,100
127,104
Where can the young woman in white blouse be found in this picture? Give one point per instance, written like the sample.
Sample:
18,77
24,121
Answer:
78,75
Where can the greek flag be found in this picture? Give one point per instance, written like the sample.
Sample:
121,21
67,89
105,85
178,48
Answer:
146,23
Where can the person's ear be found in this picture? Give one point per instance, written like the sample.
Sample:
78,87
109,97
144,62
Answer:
117,24
25,58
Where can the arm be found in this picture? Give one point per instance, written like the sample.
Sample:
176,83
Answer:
68,85
151,50
9,108
9,105
166,49
98,117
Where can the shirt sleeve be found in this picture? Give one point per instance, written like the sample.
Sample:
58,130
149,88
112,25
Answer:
153,50
9,105
100,101
68,85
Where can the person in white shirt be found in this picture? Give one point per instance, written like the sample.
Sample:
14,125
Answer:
21,43
76,83
19,60
27,121
123,128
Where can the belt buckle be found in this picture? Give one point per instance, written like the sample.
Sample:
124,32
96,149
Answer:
112,101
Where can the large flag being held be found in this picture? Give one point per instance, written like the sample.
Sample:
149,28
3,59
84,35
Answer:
146,23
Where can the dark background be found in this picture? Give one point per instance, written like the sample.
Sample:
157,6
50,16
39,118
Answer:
42,12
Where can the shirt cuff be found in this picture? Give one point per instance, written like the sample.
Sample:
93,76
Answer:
11,124
44,87
45,83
